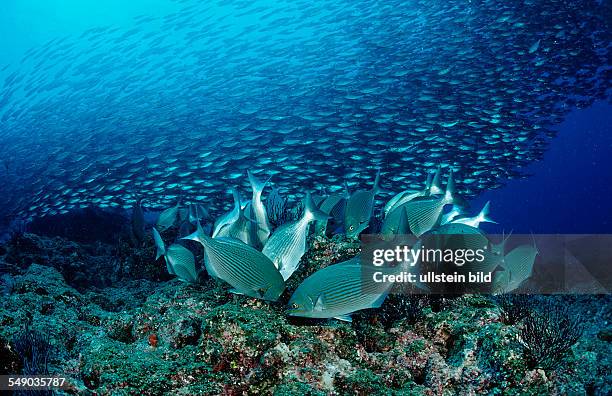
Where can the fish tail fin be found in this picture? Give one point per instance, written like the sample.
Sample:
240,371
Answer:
256,184
450,195
377,188
159,244
434,187
376,181
483,216
311,209
198,235
428,182
248,216
380,300
451,191
347,192
237,199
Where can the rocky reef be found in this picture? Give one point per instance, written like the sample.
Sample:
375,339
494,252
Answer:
111,320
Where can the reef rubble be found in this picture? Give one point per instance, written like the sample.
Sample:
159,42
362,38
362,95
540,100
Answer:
117,325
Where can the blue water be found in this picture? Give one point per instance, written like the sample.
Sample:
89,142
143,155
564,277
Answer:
570,190
29,23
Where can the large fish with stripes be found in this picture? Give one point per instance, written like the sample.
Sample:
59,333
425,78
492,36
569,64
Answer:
246,269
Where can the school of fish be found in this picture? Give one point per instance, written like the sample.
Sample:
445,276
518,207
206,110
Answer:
312,94
258,264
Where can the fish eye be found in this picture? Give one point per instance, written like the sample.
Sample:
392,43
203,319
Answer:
351,228
294,306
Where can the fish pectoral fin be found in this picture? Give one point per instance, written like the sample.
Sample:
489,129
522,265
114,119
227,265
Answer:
319,305
261,292
209,267
379,301
169,266
278,263
186,274
344,318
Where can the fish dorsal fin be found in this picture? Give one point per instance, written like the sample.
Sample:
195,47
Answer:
376,189
428,180
237,199
500,248
535,246
198,235
344,318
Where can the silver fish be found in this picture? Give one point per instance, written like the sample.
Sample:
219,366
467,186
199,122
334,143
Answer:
425,213
260,215
336,292
242,229
359,209
197,212
486,110
482,217
229,217
408,195
458,236
518,266
168,217
396,222
400,199
448,217
248,270
287,244
179,260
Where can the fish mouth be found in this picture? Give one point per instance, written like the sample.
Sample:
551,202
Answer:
352,234
358,229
